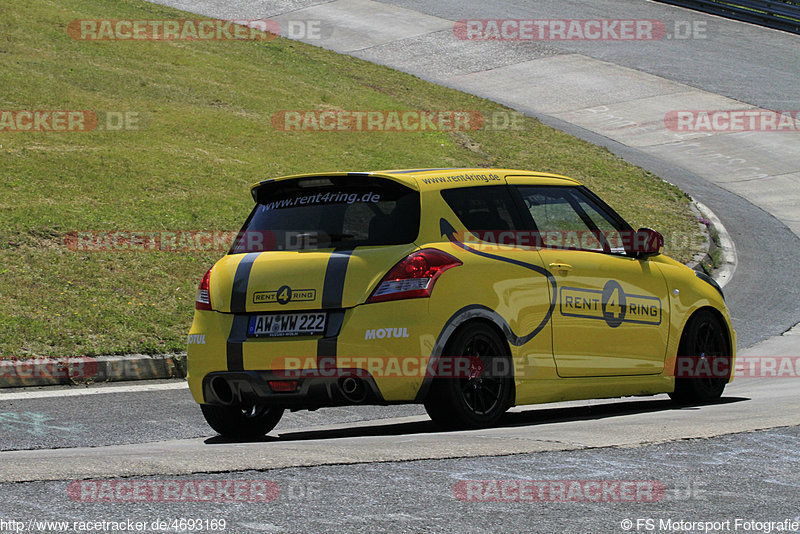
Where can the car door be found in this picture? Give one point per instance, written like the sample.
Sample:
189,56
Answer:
507,279
611,312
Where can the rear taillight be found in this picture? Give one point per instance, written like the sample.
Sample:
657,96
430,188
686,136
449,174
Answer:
203,300
414,276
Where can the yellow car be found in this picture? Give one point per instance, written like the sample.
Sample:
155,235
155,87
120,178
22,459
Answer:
466,290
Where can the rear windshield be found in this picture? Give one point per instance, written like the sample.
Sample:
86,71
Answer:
340,212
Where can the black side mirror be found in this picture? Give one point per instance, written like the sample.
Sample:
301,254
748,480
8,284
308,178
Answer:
647,242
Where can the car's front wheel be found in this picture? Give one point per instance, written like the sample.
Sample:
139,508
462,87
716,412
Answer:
704,359
242,423
475,384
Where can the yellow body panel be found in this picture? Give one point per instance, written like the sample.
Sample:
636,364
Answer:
576,350
590,339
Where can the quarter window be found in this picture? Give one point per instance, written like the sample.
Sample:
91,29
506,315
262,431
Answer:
488,212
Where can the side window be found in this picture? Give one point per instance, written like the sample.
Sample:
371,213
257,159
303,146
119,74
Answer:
566,218
551,212
600,219
488,212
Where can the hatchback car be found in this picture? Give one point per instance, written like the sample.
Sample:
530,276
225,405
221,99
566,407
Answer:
466,290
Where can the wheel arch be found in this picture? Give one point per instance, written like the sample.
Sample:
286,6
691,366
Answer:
695,383
720,317
479,320
474,314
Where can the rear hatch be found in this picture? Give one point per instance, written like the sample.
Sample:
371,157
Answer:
316,242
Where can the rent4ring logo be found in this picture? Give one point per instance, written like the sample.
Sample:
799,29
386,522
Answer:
284,295
611,305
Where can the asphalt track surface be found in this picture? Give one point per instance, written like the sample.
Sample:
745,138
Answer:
746,476
361,486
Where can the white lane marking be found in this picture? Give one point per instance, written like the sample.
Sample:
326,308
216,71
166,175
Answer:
45,394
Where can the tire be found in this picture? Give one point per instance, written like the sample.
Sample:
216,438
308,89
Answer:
479,398
705,340
239,423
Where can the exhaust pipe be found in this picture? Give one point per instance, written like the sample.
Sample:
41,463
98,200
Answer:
353,389
222,390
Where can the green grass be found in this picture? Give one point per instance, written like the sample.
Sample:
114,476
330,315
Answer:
207,135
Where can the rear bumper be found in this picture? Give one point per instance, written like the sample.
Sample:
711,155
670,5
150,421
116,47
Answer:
343,387
366,339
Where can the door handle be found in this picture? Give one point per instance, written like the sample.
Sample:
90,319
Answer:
560,266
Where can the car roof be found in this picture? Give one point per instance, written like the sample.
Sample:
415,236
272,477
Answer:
424,179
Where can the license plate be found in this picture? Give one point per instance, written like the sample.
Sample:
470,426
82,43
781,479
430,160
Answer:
287,324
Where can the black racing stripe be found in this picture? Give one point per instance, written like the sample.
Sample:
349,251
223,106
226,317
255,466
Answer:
326,353
332,294
327,345
238,334
236,339
333,286
240,280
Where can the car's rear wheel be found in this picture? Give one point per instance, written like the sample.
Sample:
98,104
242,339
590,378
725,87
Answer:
705,349
481,390
242,423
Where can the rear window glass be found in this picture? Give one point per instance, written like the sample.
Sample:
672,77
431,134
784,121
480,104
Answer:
340,212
